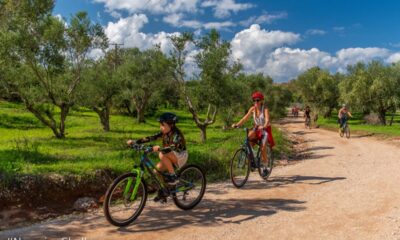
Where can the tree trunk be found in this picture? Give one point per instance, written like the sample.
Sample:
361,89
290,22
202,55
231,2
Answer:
50,122
392,118
64,112
328,113
203,133
140,115
106,119
104,115
382,116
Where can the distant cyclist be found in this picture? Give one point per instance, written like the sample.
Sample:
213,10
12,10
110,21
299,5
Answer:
307,115
343,115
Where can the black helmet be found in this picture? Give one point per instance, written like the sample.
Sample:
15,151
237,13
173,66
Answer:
168,117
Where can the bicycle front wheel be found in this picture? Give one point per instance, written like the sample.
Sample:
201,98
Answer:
240,168
121,205
347,130
268,167
191,187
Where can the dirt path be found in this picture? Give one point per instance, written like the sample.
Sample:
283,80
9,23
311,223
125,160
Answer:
346,189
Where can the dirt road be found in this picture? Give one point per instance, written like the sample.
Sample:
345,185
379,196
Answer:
346,189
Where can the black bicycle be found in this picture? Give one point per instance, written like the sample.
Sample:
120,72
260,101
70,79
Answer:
127,195
246,159
345,129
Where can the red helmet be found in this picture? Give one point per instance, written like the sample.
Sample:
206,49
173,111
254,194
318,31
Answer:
257,95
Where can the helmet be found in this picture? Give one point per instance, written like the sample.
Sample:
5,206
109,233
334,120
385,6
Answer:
168,117
344,105
257,95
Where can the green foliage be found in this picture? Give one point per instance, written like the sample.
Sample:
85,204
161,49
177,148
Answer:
144,75
46,57
319,89
372,87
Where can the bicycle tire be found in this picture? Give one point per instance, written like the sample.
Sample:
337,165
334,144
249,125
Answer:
106,204
193,204
245,164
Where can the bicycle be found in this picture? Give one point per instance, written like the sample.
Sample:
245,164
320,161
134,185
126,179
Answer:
307,123
126,196
244,161
344,130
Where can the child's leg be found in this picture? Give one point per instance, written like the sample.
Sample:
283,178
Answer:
167,159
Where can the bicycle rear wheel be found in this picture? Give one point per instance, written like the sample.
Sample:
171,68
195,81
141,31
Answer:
269,166
120,207
191,187
240,168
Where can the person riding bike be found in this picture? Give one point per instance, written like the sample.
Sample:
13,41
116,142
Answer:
343,115
262,128
307,114
173,151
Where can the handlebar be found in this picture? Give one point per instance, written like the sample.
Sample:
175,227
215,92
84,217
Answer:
140,147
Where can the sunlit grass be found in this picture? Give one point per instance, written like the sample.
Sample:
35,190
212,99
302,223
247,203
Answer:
28,147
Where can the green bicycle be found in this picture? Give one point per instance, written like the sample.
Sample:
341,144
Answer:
127,195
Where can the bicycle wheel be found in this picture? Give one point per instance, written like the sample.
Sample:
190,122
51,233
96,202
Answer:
120,209
347,131
341,134
191,187
240,168
269,166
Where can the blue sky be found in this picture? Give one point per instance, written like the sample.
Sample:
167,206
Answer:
279,38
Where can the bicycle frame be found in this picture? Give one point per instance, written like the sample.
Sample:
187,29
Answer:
145,165
249,148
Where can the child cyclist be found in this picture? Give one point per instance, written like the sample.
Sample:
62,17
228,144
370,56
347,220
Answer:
173,150
262,128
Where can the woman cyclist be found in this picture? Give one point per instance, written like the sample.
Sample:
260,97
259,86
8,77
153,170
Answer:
262,128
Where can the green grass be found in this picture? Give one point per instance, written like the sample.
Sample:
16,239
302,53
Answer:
357,124
28,147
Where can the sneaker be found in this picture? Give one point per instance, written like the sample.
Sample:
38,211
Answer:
171,179
160,197
265,172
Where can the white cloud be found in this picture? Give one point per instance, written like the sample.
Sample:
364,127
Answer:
339,29
96,54
219,25
264,18
223,8
264,51
353,55
315,32
127,31
285,63
253,45
153,6
176,20
393,58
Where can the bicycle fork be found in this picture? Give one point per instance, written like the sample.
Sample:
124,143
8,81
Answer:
139,175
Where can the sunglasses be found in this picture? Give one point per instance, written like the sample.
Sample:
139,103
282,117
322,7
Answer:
256,100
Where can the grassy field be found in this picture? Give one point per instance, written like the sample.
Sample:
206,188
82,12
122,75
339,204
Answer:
357,124
28,147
